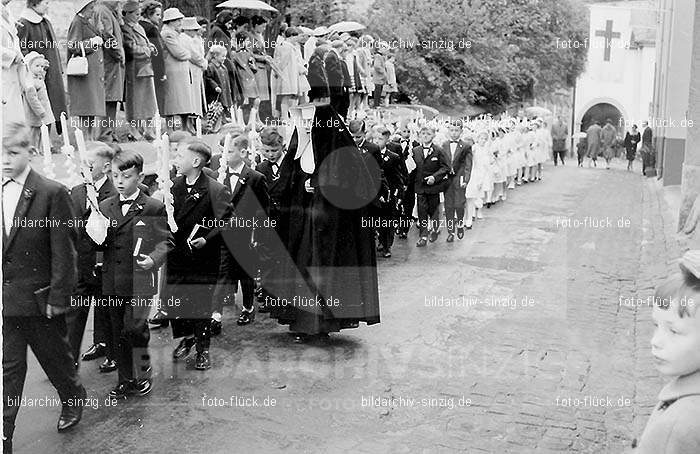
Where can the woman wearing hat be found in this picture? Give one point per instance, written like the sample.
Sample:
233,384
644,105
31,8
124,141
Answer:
263,61
13,69
140,94
198,64
87,93
178,98
151,16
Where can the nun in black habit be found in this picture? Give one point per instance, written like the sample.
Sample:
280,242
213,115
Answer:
328,281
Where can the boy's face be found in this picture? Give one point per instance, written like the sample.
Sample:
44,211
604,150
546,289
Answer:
381,141
127,181
236,155
455,132
405,133
426,136
185,160
271,152
38,67
358,136
676,341
14,160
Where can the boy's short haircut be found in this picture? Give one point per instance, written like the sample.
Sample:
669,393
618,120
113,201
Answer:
179,136
271,136
684,289
428,128
457,123
127,159
383,131
199,147
16,134
240,142
101,149
114,146
356,126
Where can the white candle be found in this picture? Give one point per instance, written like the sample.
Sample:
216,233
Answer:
46,143
80,142
156,119
198,125
64,128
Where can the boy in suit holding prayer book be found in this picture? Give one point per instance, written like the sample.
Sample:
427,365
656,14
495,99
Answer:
201,206
137,243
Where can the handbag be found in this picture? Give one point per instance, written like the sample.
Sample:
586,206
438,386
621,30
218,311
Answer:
214,111
78,64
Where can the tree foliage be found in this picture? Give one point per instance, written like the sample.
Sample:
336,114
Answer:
512,53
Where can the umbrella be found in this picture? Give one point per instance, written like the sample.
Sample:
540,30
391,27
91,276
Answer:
320,31
346,26
247,4
305,30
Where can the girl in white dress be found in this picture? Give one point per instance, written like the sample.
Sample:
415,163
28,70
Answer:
475,187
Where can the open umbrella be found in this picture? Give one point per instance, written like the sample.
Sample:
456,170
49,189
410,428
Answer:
247,4
346,26
305,30
536,111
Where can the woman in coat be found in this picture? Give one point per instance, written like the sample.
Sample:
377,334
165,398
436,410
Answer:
631,140
198,64
87,93
178,89
13,69
35,32
152,13
263,61
140,95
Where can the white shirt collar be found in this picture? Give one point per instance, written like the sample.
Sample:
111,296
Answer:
99,183
132,197
22,177
238,168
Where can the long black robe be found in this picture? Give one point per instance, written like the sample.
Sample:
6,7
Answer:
333,284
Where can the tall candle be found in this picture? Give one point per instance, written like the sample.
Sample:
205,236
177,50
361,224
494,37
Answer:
156,120
64,129
198,125
80,141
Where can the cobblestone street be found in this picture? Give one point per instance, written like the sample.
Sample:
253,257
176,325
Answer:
529,335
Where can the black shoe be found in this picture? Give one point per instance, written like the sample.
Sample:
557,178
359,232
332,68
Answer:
6,445
300,338
215,327
95,351
450,238
71,414
143,387
387,254
122,390
202,361
433,237
460,232
159,320
108,365
245,318
422,242
183,349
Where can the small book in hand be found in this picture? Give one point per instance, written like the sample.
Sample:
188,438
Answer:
198,231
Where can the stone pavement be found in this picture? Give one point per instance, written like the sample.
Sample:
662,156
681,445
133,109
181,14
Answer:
524,337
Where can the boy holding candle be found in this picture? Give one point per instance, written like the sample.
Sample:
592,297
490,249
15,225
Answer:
137,243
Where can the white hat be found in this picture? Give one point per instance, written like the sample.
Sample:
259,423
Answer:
190,23
171,14
31,56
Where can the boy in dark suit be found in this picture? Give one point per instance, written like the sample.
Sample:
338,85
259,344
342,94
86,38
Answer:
460,158
137,243
98,159
431,178
39,275
395,174
250,201
409,195
201,204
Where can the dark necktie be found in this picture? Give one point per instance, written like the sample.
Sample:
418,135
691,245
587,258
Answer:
125,202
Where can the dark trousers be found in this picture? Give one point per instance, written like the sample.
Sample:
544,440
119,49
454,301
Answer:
199,327
130,336
428,205
247,290
452,211
559,154
409,201
75,324
377,95
337,101
48,340
77,319
386,234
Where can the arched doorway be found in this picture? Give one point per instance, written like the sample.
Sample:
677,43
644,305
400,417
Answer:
601,113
